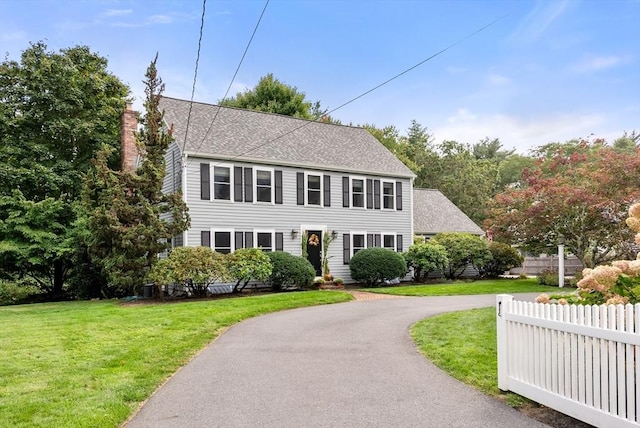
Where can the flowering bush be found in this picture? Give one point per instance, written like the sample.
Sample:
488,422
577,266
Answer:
618,283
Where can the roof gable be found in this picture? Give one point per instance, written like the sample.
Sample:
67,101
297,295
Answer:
434,213
272,138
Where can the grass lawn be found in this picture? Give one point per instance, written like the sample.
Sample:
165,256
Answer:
89,364
464,345
495,286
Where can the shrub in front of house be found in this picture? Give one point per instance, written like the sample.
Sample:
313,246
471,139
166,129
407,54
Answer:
463,250
505,258
289,271
195,268
247,264
426,257
548,277
373,266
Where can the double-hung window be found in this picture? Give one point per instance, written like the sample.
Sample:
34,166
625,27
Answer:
264,240
314,189
358,242
388,196
222,182
389,241
357,192
222,241
264,185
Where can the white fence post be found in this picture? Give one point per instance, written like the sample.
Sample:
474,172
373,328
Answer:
502,300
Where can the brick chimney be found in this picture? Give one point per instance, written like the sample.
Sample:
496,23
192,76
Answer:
128,149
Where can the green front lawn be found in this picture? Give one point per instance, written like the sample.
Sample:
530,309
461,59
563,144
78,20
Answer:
89,364
495,286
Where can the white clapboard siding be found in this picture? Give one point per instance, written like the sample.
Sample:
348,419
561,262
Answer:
580,360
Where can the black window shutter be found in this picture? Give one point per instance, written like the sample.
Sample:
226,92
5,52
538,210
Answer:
300,187
279,243
377,240
239,240
369,240
345,192
376,194
369,193
205,238
237,184
327,190
399,243
346,248
278,175
399,195
205,187
248,185
248,240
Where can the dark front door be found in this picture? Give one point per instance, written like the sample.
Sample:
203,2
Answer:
314,249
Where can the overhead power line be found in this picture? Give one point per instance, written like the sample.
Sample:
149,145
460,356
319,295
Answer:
195,73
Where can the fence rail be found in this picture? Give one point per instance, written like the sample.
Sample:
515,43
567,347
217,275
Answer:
580,360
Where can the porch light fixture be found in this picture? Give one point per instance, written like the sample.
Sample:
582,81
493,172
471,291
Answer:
334,234
294,233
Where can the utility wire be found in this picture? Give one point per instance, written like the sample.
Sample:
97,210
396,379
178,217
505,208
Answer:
255,29
195,73
468,36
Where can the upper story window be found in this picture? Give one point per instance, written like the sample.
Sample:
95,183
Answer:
222,182
388,196
314,189
357,192
264,185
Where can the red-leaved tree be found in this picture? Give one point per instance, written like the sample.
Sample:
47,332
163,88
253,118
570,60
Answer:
582,193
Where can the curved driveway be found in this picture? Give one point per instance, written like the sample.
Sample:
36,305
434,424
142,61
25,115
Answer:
344,365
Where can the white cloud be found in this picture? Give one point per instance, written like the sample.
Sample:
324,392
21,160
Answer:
596,63
118,12
11,36
498,79
539,20
519,133
160,19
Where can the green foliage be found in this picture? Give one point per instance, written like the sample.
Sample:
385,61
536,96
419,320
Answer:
504,258
248,264
13,292
461,288
372,266
130,219
548,277
426,257
57,109
289,271
272,96
195,268
463,249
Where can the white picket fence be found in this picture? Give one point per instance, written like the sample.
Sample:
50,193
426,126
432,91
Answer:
580,360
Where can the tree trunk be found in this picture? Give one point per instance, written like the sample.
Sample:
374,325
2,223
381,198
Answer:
58,276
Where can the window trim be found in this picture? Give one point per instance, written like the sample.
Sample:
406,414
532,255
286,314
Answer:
364,192
272,232
306,189
364,240
231,181
255,184
231,239
392,196
395,240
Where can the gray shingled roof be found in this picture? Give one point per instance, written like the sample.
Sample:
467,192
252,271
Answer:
433,213
277,139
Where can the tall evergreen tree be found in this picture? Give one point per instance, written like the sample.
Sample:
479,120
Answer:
130,219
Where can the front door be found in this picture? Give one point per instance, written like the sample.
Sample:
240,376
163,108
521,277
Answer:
314,250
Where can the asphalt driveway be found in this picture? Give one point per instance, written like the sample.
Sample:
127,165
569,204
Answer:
346,365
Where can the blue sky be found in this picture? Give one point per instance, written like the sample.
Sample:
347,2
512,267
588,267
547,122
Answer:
547,71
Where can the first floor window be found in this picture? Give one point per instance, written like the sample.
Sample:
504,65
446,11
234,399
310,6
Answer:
222,182
264,241
263,186
387,195
222,242
389,241
359,242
